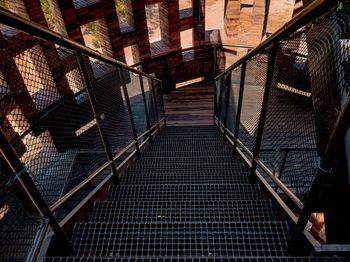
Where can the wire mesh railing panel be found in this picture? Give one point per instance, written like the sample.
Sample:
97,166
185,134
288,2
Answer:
18,223
218,90
147,84
66,116
288,145
46,114
327,54
254,86
233,99
222,86
136,100
158,93
111,105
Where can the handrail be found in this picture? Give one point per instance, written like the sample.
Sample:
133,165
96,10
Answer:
60,202
10,19
10,155
312,11
339,132
177,51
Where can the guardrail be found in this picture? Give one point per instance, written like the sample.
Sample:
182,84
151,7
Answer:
72,120
264,107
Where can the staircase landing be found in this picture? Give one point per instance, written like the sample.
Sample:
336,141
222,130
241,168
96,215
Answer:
191,105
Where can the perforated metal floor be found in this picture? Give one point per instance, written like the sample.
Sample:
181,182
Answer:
166,211
186,199
181,239
183,192
174,259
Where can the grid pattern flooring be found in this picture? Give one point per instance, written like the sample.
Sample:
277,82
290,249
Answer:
175,259
177,211
186,199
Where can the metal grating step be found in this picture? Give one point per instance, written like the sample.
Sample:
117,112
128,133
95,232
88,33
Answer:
165,211
214,165
213,160
190,129
183,177
182,147
193,138
194,134
177,259
181,239
183,192
207,153
209,169
189,144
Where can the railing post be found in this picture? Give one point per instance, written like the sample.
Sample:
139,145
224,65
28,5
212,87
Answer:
268,83
162,100
215,101
97,114
325,176
240,103
215,60
33,193
219,105
128,105
155,105
167,75
227,80
146,107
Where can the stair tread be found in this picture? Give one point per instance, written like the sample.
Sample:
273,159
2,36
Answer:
167,211
199,259
184,192
186,239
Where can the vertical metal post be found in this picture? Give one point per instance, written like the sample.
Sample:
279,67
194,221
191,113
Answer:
167,76
219,105
162,100
33,193
227,99
215,90
215,60
326,176
281,169
215,99
240,103
269,78
97,114
128,105
146,107
155,105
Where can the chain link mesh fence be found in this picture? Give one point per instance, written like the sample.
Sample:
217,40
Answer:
18,221
59,124
253,94
157,93
233,98
147,84
310,81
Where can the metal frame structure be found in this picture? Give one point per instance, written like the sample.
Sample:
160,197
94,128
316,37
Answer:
336,140
21,174
309,14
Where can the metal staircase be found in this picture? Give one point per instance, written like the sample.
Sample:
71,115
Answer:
186,198
99,175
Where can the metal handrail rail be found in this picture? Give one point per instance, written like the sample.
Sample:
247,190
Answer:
178,51
10,19
46,211
61,201
312,11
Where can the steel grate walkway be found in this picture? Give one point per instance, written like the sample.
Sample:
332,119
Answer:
186,199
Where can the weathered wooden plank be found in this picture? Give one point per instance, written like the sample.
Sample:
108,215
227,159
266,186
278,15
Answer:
190,105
